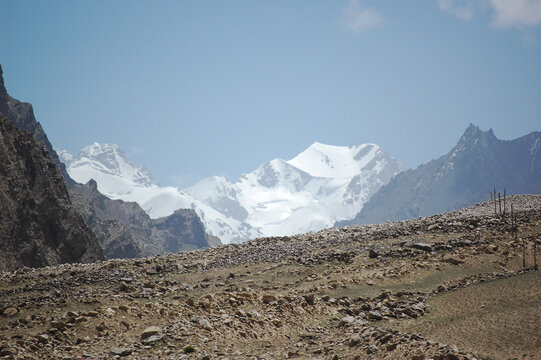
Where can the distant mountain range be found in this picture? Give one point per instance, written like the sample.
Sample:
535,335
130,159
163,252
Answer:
44,193
312,191
477,164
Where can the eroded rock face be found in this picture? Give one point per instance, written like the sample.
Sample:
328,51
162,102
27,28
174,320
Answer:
22,115
38,224
125,230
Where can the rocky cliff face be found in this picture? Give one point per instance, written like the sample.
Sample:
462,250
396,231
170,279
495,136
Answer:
22,115
126,231
38,224
464,176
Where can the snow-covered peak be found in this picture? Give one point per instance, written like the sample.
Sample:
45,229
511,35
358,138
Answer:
275,173
106,159
335,162
320,186
64,156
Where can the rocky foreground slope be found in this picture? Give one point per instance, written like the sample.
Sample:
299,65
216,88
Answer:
450,286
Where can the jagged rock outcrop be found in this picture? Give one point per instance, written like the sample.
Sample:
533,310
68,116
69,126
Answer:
38,224
22,115
101,214
464,176
126,231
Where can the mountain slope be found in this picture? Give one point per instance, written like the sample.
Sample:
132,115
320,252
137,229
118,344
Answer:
478,163
22,115
118,179
312,191
38,224
126,231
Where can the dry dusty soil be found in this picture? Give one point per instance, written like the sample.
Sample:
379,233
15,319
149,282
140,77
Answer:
450,286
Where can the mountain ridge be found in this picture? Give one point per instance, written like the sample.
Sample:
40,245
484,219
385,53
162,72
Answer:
465,175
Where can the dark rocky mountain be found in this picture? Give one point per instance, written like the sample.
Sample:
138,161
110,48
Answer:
22,115
123,229
38,224
126,231
462,177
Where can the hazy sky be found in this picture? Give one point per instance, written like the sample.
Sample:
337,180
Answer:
199,88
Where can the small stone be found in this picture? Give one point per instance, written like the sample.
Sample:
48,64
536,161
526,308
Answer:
385,338
372,254
43,338
121,351
371,349
267,298
149,331
310,298
205,324
11,311
422,246
109,312
58,324
8,352
125,324
354,340
442,288
347,320
374,315
152,339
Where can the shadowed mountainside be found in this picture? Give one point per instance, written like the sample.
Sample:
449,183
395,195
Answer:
462,177
126,231
38,224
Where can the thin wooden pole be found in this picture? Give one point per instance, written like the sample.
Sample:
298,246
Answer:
500,203
495,212
503,202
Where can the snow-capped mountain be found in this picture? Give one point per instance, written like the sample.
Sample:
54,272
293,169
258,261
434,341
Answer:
117,178
320,186
115,171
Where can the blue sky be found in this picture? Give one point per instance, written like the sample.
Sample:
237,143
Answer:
199,88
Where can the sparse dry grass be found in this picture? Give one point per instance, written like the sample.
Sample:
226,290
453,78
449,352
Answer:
500,318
